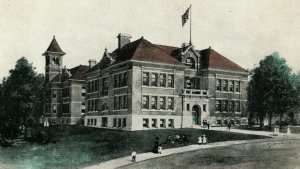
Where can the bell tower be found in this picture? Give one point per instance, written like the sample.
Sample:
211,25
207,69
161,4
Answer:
54,57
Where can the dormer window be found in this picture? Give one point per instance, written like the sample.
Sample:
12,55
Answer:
191,62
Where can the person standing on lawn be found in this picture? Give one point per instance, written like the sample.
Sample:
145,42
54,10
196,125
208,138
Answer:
133,155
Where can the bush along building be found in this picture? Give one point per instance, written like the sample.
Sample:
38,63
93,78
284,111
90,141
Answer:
141,85
65,88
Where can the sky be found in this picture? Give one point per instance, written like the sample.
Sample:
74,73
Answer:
241,30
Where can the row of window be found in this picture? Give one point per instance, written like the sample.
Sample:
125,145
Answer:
192,83
120,102
93,105
154,123
93,86
188,107
158,102
228,85
65,108
119,122
91,122
121,79
158,79
66,92
228,106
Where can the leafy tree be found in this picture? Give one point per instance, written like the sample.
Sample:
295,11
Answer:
22,92
271,90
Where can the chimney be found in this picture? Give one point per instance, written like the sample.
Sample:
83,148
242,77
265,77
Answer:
123,39
92,62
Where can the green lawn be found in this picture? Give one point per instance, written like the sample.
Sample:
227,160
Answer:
280,154
76,146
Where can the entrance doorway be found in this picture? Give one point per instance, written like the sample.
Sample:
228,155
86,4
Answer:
196,115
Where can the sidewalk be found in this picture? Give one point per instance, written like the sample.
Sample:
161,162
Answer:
146,156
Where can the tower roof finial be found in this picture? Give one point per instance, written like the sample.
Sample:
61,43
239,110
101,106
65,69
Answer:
53,36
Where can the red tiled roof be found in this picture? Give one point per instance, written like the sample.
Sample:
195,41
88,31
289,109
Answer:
54,47
143,50
78,72
212,59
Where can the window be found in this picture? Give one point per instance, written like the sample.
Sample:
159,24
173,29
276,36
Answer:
191,62
125,79
104,122
154,123
145,102
162,101
88,121
170,80
225,105
124,122
170,103
54,94
218,84
114,122
162,123
188,107
146,123
116,81
125,102
119,122
95,122
104,107
225,85
120,102
231,86
65,92
218,105
204,107
162,80
237,86
188,83
154,77
116,103
105,87
88,87
65,108
54,108
92,122
171,123
83,107
231,104
153,102
237,106
146,78
83,91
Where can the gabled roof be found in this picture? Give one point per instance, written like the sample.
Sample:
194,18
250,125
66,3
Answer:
78,72
54,47
143,50
212,59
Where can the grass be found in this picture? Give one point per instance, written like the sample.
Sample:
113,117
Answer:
268,155
77,146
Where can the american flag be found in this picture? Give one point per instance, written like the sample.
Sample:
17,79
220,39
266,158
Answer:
185,16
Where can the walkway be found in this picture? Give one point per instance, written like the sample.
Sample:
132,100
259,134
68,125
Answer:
146,156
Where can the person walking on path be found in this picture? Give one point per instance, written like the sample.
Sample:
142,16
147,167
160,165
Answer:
229,125
208,125
133,155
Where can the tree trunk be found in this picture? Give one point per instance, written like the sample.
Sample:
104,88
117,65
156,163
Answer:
270,121
261,122
280,119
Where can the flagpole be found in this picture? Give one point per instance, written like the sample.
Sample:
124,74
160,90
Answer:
191,24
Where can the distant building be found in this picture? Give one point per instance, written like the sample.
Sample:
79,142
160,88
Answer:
141,86
65,88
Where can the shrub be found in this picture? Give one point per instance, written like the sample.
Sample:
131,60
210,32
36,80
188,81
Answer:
41,135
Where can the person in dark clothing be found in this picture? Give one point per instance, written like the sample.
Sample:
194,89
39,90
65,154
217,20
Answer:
229,125
156,145
208,125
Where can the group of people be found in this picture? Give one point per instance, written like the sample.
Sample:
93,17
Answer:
202,139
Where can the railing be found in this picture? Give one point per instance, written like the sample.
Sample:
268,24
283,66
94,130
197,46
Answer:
195,92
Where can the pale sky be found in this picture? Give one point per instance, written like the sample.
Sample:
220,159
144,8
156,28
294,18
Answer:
242,30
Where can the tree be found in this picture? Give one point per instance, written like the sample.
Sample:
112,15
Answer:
271,91
22,93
